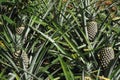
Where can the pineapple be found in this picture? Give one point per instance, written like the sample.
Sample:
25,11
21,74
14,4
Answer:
20,29
25,59
92,30
105,55
18,55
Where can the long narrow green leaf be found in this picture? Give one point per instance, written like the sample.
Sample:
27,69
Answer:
10,21
66,70
50,39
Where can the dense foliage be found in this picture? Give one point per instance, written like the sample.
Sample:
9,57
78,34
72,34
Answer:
59,39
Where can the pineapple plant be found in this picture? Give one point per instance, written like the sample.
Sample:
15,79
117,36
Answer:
20,56
105,56
55,44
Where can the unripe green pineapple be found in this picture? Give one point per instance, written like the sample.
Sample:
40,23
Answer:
92,30
105,55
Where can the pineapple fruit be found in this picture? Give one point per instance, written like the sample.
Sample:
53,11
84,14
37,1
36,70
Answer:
20,29
105,55
21,56
16,56
25,59
92,30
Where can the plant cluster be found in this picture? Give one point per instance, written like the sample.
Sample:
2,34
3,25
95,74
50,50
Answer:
59,39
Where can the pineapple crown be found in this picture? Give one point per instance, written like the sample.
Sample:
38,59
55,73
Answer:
91,18
109,41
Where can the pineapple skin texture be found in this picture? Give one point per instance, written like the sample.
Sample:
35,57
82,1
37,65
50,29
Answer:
25,59
105,55
21,57
20,29
92,30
